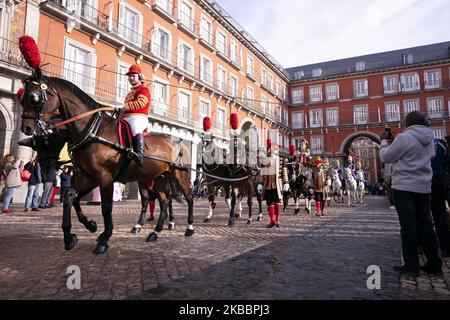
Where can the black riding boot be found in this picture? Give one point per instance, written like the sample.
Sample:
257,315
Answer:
139,146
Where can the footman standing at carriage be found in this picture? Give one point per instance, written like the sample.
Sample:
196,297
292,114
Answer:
272,187
137,104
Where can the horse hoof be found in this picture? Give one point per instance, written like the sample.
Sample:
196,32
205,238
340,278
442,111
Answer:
231,222
296,211
249,222
101,248
135,230
150,219
189,232
92,226
171,226
259,219
70,243
237,216
207,220
152,237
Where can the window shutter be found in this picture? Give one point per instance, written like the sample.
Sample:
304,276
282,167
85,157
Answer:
120,27
140,30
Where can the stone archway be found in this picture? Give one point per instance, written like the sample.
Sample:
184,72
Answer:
6,130
365,146
250,138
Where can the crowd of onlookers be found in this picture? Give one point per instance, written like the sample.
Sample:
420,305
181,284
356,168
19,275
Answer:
43,185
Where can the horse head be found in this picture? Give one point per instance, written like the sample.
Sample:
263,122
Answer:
40,102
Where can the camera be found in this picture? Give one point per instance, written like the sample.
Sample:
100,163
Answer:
388,132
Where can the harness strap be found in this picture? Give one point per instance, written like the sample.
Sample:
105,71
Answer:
82,116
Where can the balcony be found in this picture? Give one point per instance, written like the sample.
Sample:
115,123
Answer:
315,98
160,53
222,87
235,61
222,51
159,108
410,86
433,84
206,38
93,21
391,90
10,53
220,129
165,9
207,78
251,73
186,66
187,24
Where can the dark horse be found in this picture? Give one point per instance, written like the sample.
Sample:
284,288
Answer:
97,156
300,183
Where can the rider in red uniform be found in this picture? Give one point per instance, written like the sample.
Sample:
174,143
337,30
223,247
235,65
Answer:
136,107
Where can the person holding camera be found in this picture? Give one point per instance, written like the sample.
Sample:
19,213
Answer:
410,154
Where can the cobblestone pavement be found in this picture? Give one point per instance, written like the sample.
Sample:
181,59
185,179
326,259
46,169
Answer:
307,258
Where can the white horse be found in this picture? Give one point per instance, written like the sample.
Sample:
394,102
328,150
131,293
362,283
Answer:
350,186
327,191
360,191
336,185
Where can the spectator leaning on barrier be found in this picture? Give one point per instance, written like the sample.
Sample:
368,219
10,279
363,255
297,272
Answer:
410,154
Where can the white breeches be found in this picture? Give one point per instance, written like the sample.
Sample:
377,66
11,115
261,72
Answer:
138,123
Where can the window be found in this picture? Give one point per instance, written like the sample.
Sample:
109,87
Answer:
186,58
315,94
360,88
250,69
221,42
390,84
439,133
184,104
263,104
205,30
130,24
315,118
316,72
432,79
86,9
166,5
249,96
392,111
332,117
286,142
297,95
234,53
79,65
263,76
221,124
286,117
410,82
160,98
316,144
205,109
410,106
187,16
407,58
206,70
435,107
297,120
123,86
360,115
161,44
270,108
233,86
332,91
270,83
278,89
360,66
298,75
222,79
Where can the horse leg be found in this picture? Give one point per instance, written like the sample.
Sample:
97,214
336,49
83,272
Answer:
250,205
183,184
70,239
162,192
106,192
239,201
232,219
171,216
296,202
143,191
212,205
85,185
259,198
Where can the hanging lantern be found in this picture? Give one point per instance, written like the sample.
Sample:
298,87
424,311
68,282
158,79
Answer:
234,122
206,124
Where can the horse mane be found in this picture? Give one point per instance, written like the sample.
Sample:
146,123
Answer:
84,97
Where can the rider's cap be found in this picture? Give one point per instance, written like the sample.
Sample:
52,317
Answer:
134,69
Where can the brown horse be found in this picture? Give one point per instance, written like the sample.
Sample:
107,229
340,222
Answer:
93,142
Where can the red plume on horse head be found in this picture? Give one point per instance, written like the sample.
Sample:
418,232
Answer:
19,94
269,143
234,122
30,51
292,150
206,124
